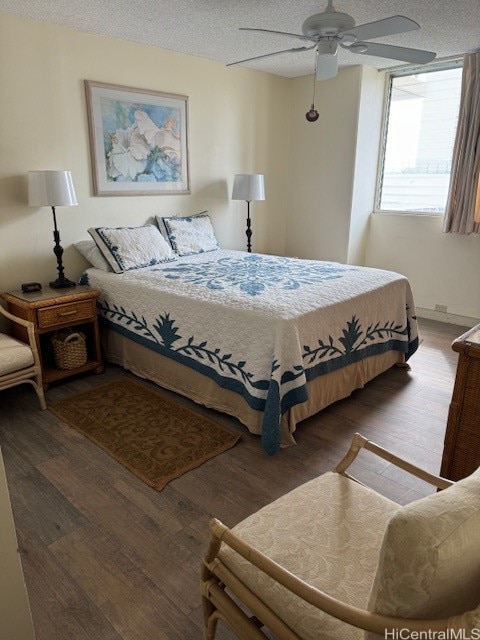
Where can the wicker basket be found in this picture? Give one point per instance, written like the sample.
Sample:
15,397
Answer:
69,350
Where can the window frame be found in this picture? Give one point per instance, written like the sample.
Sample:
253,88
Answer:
406,70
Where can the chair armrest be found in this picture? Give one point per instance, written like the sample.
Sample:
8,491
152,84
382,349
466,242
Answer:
30,332
10,316
359,442
360,618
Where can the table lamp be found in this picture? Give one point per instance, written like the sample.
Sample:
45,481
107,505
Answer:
53,189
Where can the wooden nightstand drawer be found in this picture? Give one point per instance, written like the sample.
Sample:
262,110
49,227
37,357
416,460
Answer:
62,313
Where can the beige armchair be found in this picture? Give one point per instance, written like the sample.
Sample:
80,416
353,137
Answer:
19,362
334,560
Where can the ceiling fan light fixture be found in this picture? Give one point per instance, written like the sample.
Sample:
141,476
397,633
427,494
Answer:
326,65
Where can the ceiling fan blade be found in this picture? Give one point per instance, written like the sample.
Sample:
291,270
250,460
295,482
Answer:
382,28
417,56
275,53
327,66
281,33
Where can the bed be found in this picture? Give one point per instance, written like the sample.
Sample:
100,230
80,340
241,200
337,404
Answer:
267,339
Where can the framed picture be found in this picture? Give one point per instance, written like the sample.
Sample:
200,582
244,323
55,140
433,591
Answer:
138,141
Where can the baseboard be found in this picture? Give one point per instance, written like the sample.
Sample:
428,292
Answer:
450,318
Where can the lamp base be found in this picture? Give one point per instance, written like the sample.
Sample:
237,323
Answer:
62,283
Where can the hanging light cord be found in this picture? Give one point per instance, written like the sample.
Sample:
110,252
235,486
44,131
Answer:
313,115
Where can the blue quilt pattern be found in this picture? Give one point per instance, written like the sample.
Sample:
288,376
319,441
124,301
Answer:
253,274
329,353
261,326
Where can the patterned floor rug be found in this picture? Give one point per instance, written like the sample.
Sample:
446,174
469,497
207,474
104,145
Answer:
152,436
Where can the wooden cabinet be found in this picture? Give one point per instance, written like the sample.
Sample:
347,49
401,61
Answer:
52,310
461,453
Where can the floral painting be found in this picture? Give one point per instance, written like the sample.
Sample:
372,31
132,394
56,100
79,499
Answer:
138,141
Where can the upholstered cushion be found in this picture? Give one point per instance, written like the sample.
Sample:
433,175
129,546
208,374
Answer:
14,355
91,252
327,532
126,248
429,565
190,234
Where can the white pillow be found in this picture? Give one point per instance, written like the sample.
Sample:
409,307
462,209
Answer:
190,234
126,248
91,252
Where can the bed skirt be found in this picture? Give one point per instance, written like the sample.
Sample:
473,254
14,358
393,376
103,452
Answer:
176,377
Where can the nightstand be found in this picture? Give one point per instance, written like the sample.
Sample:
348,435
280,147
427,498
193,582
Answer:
51,310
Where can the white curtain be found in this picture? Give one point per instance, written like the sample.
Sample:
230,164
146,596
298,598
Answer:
462,214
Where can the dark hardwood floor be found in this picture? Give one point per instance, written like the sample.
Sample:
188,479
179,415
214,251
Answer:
106,557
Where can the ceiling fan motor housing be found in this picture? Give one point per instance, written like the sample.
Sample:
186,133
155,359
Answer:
327,24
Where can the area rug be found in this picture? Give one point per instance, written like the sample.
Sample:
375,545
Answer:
154,437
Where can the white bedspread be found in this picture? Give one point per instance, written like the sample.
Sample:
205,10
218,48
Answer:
259,325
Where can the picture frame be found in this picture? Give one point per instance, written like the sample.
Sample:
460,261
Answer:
138,141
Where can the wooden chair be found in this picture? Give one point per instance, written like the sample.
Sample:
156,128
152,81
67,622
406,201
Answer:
19,362
333,559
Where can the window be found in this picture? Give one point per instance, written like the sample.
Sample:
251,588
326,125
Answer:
421,122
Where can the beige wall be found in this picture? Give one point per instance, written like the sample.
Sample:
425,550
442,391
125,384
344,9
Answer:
239,123
443,268
372,90
322,166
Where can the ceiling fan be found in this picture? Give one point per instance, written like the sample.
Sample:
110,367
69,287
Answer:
330,29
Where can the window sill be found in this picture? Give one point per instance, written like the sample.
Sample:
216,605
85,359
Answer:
409,214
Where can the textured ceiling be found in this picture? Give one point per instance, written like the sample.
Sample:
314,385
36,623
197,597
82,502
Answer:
209,28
